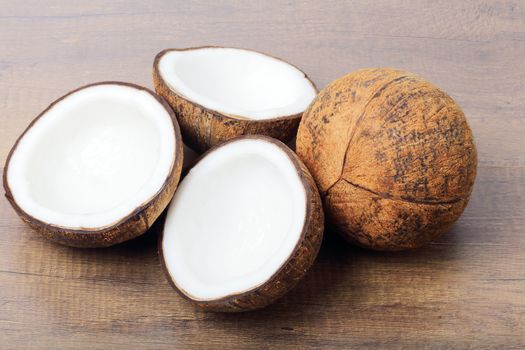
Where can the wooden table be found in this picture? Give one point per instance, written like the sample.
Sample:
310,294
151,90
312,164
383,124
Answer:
466,290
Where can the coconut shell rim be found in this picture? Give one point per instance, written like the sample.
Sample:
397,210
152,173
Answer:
96,232
212,304
230,117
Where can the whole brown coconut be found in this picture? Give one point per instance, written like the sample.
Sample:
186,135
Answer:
393,156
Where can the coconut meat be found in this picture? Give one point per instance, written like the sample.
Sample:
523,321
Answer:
237,82
93,157
234,221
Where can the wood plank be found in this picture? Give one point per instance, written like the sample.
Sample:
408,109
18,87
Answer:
463,291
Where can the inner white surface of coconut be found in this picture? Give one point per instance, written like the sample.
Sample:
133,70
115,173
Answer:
234,221
93,158
237,82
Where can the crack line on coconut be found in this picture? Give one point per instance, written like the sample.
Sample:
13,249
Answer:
384,195
360,122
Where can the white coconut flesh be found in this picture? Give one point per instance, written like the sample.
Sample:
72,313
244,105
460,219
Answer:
237,82
93,157
234,221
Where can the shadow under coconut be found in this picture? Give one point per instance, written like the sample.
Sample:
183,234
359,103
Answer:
346,277
124,262
330,273
146,242
342,277
95,283
439,252
142,246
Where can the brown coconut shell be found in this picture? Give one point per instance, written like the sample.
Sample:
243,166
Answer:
203,128
131,226
295,267
393,156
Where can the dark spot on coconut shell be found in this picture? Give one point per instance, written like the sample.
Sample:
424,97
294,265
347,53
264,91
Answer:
406,145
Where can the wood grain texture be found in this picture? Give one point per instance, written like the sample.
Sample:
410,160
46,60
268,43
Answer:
464,291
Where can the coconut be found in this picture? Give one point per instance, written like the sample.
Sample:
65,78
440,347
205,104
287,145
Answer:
393,156
220,93
97,166
244,226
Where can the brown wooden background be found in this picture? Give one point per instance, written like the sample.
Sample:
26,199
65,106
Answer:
467,290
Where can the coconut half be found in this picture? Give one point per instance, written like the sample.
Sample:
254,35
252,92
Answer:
97,167
220,93
244,226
